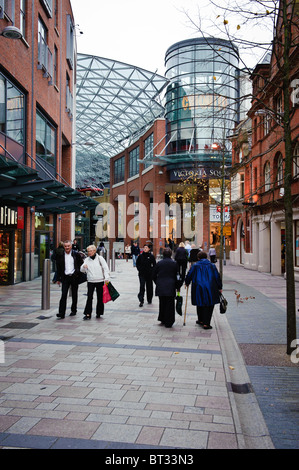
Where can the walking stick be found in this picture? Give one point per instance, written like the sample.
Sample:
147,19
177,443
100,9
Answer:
186,306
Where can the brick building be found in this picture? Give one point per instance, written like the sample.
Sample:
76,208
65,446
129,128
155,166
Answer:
257,198
37,83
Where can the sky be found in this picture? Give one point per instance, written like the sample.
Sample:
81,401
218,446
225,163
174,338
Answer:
139,32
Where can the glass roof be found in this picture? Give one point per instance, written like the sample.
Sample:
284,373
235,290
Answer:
115,102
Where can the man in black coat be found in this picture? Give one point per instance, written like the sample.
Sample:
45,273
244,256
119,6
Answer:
165,278
145,264
68,270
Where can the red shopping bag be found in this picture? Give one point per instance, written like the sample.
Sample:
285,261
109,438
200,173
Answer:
106,294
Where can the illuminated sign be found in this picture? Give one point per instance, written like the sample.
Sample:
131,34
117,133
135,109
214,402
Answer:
197,173
8,216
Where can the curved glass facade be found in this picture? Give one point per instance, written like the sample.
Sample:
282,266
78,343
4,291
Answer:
201,99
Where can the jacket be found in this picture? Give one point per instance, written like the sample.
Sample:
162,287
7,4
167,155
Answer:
181,254
60,264
165,277
206,283
145,264
97,269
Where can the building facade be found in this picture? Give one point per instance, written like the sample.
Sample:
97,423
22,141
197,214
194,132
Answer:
175,175
37,83
258,217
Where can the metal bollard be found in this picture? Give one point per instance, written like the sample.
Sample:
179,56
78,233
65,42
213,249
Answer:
113,261
46,285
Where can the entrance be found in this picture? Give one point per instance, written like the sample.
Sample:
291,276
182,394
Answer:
41,251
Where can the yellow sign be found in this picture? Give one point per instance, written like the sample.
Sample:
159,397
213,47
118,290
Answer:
227,231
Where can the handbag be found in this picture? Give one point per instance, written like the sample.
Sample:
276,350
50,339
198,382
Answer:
179,304
82,278
106,294
114,294
223,304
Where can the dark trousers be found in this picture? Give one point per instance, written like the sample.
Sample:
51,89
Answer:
91,286
145,283
166,311
67,282
182,268
204,314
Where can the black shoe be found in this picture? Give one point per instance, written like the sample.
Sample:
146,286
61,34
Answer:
141,304
207,327
60,315
72,314
87,317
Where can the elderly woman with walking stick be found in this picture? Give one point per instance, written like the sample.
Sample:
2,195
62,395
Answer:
205,290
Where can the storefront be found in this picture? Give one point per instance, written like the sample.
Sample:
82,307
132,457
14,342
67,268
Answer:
11,244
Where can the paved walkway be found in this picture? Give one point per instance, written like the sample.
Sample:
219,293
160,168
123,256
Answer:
126,382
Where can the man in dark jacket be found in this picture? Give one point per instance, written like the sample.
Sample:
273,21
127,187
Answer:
68,270
145,264
165,278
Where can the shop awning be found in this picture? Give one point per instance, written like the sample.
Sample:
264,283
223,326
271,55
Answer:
19,185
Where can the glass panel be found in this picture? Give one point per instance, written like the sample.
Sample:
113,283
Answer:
4,257
45,140
15,114
18,256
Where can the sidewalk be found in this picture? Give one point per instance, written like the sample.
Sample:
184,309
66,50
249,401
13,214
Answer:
126,382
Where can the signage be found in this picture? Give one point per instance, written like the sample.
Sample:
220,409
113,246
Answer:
201,172
215,214
8,217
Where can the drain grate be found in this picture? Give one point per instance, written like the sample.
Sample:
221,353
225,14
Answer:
19,325
240,388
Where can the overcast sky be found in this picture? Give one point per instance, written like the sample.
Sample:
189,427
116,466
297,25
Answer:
137,32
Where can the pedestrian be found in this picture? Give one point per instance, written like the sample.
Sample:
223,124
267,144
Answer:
181,257
56,253
127,252
212,254
165,278
145,264
97,273
68,269
188,246
135,251
205,290
193,254
75,245
101,250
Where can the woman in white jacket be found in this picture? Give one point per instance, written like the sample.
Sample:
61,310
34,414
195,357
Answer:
97,273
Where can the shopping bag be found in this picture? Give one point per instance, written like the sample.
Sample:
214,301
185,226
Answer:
106,294
82,278
179,304
223,304
113,292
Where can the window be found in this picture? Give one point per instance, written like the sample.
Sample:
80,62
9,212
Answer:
45,59
148,150
267,123
242,184
279,108
267,176
45,139
119,170
7,10
133,162
297,243
22,17
70,42
296,161
12,111
280,170
48,6
55,66
69,97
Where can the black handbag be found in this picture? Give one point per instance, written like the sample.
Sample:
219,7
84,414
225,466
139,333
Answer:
223,304
113,292
179,304
82,278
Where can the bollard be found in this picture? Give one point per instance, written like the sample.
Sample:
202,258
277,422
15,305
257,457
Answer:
46,285
113,261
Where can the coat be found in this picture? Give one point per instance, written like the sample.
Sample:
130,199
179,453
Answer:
60,264
145,264
181,254
97,269
165,277
206,283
